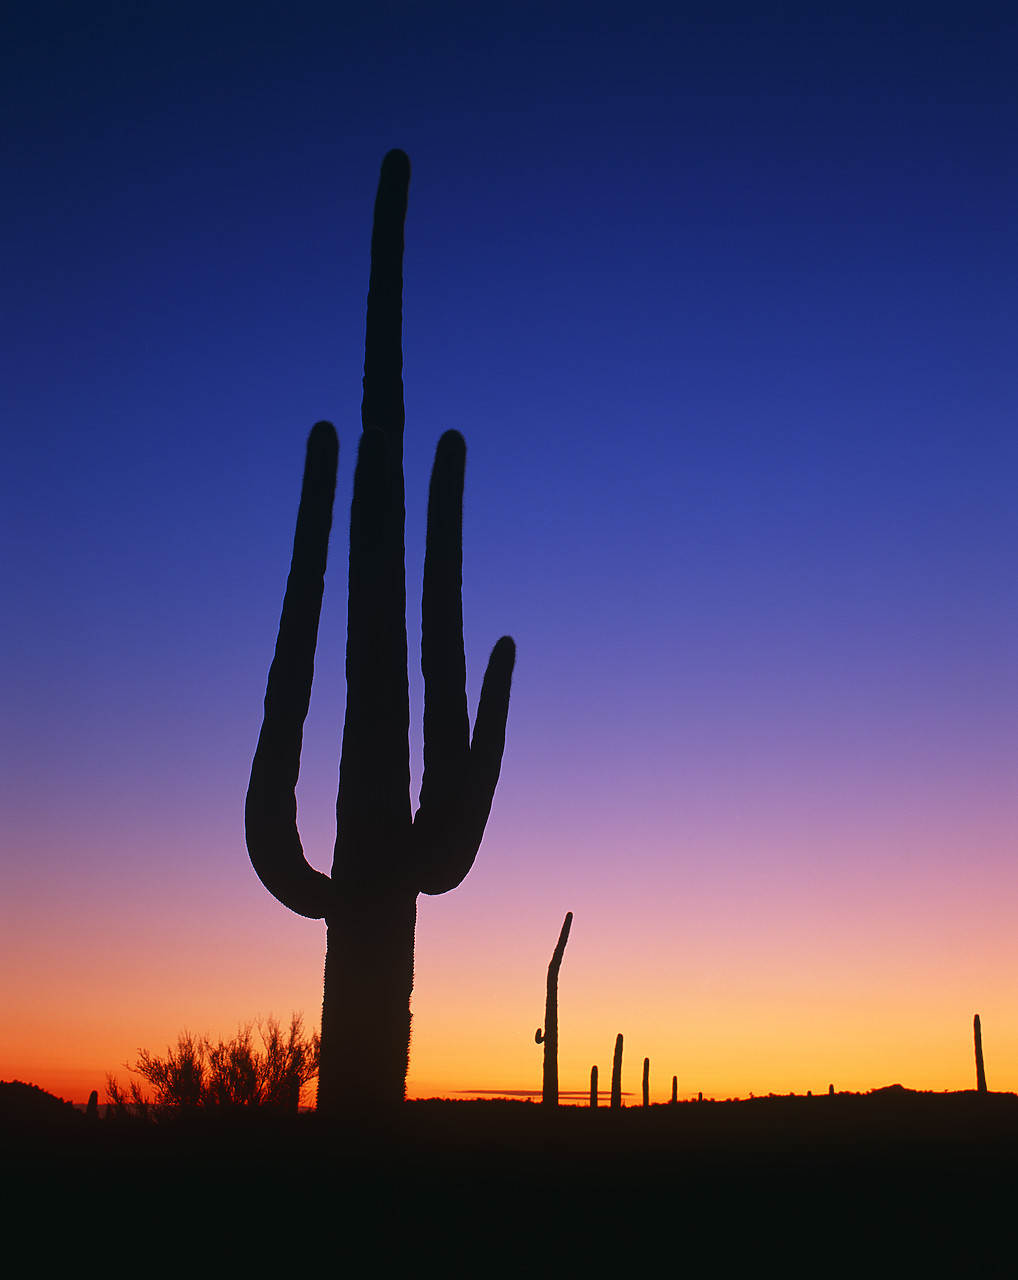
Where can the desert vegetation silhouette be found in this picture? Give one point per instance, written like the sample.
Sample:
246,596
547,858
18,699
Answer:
227,1074
548,1035
977,1032
616,1095
384,854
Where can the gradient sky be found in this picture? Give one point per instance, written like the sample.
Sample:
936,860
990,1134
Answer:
723,301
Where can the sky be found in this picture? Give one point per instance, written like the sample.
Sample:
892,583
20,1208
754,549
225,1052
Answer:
722,299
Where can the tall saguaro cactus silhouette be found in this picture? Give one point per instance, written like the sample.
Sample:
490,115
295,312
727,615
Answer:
616,1098
384,855
549,1036
977,1032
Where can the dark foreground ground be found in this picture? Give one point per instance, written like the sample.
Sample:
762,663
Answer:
887,1183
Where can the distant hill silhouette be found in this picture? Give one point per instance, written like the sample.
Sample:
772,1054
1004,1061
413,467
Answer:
26,1106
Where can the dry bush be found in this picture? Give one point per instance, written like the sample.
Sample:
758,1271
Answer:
230,1073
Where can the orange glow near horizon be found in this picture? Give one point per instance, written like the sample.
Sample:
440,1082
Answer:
749,1016
909,1055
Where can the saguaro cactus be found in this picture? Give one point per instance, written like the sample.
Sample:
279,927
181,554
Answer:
980,1072
617,1073
675,1089
384,856
646,1082
593,1086
549,1036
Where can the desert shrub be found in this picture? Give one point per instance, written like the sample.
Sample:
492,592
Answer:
230,1073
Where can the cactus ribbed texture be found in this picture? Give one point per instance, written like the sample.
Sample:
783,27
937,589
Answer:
384,856
617,1073
593,1086
980,1072
646,1082
549,1036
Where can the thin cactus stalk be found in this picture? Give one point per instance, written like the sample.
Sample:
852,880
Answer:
549,1036
384,855
593,1086
617,1073
675,1089
646,1082
980,1072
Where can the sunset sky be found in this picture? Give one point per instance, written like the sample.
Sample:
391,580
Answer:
723,298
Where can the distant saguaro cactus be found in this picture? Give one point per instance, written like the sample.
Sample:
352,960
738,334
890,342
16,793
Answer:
617,1073
646,1082
549,1036
980,1072
675,1089
384,857
593,1086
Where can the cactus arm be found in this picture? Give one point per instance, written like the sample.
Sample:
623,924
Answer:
273,840
488,742
443,661
447,840
459,775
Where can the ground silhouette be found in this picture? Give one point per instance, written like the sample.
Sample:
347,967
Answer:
886,1183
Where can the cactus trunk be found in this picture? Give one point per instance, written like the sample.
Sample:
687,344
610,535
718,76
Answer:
675,1089
549,1036
593,1086
617,1073
384,854
980,1072
646,1082
369,976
